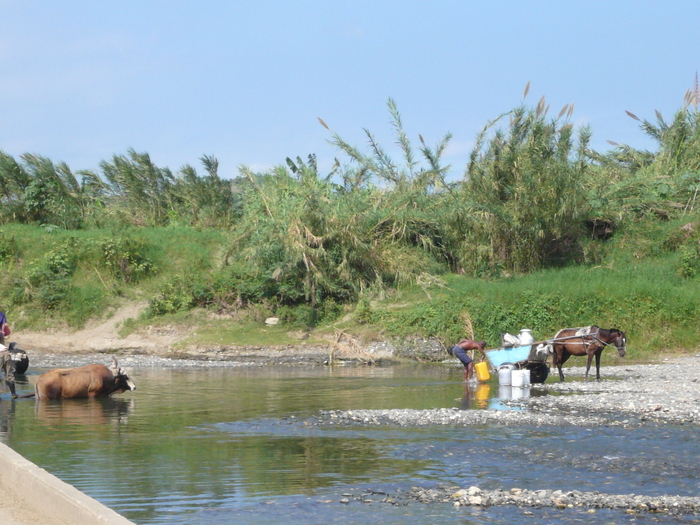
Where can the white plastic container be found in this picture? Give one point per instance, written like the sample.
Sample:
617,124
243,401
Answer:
504,375
526,337
526,377
516,378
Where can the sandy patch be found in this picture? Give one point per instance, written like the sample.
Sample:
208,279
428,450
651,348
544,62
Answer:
102,336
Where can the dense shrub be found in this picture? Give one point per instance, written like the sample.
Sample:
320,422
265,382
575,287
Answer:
127,258
174,296
49,279
9,248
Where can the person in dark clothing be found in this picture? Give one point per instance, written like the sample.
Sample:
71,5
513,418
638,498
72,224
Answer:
460,352
4,328
20,358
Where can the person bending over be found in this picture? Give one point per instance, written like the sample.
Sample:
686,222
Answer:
460,352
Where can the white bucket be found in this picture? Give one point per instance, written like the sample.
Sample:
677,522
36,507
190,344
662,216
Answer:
504,375
517,378
526,377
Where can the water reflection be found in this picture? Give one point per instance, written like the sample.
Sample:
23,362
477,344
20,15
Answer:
519,392
475,396
484,396
7,416
89,412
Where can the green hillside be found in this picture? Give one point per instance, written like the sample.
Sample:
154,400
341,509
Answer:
541,232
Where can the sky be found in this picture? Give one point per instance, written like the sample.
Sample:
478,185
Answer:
82,81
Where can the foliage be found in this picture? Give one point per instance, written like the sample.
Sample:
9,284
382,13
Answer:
534,204
174,296
130,190
49,278
524,193
9,248
664,183
127,258
311,240
364,313
690,262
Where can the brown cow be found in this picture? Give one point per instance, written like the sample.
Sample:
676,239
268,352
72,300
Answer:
83,382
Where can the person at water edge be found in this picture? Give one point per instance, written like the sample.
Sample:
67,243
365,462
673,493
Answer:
460,352
7,365
4,328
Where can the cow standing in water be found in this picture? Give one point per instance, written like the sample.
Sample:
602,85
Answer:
83,382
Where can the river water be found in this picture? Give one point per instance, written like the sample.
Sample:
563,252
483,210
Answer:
213,445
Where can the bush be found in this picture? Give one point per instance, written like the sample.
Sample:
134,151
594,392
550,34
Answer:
300,316
126,258
49,280
174,296
83,303
364,313
329,311
53,292
9,249
690,262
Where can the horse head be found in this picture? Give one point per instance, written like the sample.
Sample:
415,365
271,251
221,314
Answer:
619,340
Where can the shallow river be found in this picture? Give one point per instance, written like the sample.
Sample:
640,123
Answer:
230,445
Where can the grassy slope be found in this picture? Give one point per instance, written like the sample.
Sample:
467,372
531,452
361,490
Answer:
637,288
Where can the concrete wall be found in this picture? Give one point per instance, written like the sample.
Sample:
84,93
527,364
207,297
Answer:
49,497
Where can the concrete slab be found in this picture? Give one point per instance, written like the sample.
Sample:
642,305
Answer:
31,495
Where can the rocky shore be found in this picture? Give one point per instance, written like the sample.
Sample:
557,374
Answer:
633,396
531,499
630,503
628,396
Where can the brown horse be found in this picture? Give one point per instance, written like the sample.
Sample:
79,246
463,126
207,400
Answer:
588,341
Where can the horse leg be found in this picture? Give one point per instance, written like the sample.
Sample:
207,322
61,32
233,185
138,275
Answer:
555,360
588,364
597,363
558,361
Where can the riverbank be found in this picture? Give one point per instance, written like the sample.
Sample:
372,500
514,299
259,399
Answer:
181,343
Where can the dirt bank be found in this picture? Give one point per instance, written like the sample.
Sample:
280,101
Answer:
100,337
167,342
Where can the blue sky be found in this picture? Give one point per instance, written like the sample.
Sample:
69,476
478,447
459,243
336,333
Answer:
81,81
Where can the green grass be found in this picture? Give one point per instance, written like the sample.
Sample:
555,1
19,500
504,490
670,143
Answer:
638,287
644,296
94,288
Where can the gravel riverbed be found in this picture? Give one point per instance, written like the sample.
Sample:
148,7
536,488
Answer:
632,396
